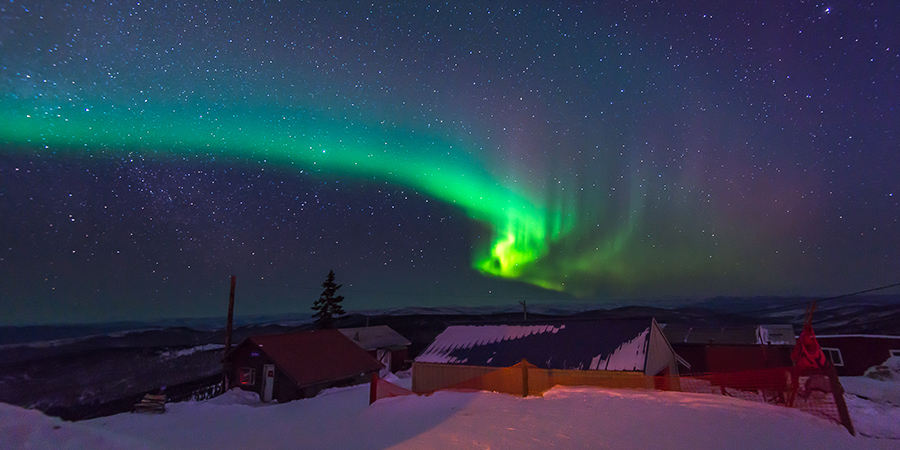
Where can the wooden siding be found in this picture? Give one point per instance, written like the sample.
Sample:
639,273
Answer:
429,377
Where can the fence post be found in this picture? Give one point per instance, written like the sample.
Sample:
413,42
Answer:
524,377
838,392
373,388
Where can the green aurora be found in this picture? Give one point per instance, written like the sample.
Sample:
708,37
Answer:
524,229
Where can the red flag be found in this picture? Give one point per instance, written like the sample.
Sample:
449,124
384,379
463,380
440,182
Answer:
807,353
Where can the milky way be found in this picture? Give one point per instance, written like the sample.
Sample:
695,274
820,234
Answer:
463,153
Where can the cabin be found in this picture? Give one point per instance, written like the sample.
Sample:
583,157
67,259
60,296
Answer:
853,354
731,349
567,351
382,343
291,366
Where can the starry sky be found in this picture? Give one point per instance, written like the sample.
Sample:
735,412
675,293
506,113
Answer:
461,153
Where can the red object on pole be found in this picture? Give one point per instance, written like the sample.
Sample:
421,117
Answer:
807,353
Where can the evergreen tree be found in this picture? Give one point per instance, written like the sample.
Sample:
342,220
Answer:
328,306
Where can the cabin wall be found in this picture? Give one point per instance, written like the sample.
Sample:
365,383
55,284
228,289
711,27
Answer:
860,352
705,358
249,356
398,359
312,390
427,377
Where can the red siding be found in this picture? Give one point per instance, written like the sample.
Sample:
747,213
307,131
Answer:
315,356
860,352
732,358
304,362
398,359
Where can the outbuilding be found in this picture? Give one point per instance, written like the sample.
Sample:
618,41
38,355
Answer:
853,354
297,365
728,349
382,343
561,352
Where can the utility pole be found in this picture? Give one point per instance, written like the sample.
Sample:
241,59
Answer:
230,326
524,309
226,366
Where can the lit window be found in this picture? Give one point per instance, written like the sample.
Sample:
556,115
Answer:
246,375
833,355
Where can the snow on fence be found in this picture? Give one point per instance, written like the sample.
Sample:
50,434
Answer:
815,391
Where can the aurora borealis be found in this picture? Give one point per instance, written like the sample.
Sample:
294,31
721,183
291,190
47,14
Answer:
441,154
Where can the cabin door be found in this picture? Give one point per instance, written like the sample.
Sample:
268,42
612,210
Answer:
268,382
384,357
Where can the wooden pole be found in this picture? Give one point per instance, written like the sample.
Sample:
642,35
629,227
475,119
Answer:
838,392
226,365
229,327
524,377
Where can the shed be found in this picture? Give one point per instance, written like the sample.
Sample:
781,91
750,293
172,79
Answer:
297,365
853,354
732,348
461,352
382,343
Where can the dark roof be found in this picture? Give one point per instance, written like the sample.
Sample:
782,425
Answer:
619,344
373,338
316,356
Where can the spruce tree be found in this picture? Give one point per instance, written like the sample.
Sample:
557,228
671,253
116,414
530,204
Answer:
328,306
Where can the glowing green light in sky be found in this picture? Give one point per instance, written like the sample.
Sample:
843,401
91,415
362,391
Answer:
523,229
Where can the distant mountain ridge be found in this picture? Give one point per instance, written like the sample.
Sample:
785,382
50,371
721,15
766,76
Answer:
870,314
84,371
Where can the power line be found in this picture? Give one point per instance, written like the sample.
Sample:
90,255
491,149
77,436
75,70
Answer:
881,288
803,302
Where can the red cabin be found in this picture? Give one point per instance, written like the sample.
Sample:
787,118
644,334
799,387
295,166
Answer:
292,366
731,349
852,354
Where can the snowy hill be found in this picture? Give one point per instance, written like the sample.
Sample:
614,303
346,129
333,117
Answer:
562,418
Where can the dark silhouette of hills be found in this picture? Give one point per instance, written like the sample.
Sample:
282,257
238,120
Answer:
85,371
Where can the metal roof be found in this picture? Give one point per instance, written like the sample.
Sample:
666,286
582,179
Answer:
619,344
372,338
311,357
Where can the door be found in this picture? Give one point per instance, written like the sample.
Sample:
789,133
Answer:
384,357
268,382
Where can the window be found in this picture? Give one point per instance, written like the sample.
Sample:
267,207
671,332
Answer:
246,375
894,352
833,355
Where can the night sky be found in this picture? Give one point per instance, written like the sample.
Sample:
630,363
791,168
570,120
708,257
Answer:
469,153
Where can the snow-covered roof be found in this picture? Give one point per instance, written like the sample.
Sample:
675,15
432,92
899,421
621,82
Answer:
372,338
575,344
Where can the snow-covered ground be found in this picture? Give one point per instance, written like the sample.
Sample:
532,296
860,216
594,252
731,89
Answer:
562,418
